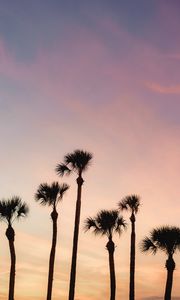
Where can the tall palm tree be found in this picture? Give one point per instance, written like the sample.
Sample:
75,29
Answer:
10,210
107,223
77,162
131,203
50,195
167,239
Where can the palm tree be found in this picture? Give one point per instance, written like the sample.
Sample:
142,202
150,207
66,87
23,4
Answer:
50,195
77,162
167,239
107,223
10,210
131,203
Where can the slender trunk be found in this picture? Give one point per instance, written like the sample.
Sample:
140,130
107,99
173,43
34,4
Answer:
170,266
10,235
75,239
54,216
110,247
132,259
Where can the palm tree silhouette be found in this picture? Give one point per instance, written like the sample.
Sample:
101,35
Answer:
51,195
167,239
131,203
77,162
107,223
10,210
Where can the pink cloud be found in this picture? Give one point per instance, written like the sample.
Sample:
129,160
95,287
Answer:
84,56
155,87
84,59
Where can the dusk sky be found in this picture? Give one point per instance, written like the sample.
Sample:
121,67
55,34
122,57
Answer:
103,76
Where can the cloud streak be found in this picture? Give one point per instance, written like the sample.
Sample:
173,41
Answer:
155,87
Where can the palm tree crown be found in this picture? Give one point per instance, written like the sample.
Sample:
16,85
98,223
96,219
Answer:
166,238
131,202
51,194
77,161
105,223
12,209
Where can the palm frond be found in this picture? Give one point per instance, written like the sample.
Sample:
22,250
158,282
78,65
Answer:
62,169
50,194
8,207
43,194
23,210
70,159
148,245
120,223
79,160
13,208
62,189
90,223
5,210
131,202
123,205
167,238
105,222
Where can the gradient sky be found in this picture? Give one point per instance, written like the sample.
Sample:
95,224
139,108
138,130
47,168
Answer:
103,76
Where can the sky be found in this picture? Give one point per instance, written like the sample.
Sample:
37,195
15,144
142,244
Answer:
102,76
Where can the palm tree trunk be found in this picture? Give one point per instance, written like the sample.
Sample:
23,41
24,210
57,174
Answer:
170,266
54,216
10,235
75,240
110,247
132,259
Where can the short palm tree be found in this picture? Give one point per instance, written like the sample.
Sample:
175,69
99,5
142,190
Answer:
10,210
77,162
131,203
167,239
107,223
51,195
